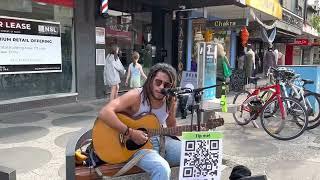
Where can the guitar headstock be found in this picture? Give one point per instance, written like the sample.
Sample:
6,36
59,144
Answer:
214,122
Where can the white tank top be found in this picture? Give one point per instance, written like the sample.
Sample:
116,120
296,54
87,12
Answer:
161,113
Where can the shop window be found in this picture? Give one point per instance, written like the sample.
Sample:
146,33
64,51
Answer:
16,5
131,32
202,33
28,84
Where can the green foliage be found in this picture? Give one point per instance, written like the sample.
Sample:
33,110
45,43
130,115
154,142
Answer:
315,22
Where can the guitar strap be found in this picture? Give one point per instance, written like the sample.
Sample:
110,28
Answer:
125,168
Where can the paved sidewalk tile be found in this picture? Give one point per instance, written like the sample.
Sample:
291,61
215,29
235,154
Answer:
33,142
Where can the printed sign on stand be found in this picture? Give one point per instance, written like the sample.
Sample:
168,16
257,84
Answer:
189,80
201,155
207,67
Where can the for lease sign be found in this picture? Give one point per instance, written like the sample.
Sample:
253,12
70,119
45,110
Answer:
29,46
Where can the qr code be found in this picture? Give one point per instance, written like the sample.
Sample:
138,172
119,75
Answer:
201,159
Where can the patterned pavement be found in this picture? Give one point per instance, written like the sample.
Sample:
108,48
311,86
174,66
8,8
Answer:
33,142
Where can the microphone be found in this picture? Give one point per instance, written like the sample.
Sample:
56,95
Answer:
171,91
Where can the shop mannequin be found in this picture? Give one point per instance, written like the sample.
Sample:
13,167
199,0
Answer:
257,63
221,57
269,60
281,59
276,54
241,60
250,65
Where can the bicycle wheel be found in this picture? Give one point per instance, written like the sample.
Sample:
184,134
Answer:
265,97
312,105
288,128
241,116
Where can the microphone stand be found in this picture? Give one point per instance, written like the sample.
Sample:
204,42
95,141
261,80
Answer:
197,94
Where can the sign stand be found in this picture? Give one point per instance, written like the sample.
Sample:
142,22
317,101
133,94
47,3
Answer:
207,70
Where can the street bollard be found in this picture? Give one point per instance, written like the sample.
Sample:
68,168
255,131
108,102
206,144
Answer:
7,173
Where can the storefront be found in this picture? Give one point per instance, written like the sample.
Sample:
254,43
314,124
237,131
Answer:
131,32
303,52
222,31
36,51
226,22
288,29
71,68
270,11
62,61
133,27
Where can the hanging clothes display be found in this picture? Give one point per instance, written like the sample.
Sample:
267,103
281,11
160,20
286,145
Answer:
266,38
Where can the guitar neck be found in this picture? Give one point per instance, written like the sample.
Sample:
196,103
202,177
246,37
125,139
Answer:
172,130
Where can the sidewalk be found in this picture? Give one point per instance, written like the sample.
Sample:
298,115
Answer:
33,142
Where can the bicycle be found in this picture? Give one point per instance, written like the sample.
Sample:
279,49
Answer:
293,86
253,106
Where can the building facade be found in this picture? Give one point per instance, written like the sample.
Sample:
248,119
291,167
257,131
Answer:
225,21
37,52
68,66
161,31
53,50
300,47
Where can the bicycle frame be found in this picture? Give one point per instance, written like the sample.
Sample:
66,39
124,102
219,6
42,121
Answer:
297,91
275,94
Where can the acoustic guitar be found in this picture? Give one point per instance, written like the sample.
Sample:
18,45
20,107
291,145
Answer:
113,148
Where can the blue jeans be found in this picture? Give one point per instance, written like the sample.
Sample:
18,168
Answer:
155,165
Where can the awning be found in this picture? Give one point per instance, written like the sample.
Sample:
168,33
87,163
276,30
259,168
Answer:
188,4
271,7
236,12
66,3
176,4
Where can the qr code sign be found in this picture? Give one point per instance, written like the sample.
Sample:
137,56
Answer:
201,158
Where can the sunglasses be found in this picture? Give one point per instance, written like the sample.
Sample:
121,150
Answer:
165,84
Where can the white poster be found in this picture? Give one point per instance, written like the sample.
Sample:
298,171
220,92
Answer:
100,56
100,35
201,155
29,46
189,79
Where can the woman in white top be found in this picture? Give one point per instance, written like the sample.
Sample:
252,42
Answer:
135,71
112,69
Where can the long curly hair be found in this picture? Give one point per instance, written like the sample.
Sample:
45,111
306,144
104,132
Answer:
147,86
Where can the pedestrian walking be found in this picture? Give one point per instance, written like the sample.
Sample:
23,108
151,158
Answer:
113,68
135,71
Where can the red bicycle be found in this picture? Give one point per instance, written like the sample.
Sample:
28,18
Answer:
280,116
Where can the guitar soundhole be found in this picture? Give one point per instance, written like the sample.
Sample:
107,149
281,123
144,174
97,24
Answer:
131,145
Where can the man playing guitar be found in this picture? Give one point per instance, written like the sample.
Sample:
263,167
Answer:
145,100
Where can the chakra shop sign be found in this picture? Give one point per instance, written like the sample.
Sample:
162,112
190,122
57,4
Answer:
29,46
227,23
